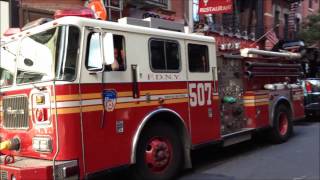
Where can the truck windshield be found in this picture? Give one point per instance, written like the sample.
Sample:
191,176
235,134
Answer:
66,62
48,55
37,54
8,55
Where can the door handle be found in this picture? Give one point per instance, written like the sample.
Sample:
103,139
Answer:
135,83
214,79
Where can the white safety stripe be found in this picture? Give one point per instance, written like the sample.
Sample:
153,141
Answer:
152,97
66,104
90,102
256,100
77,103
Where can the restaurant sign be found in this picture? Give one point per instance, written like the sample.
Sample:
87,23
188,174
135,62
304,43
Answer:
215,6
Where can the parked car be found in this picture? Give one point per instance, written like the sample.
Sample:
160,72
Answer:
311,88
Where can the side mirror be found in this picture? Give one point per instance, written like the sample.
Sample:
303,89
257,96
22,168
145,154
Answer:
108,48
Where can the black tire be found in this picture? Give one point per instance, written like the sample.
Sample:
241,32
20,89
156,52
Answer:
142,169
281,131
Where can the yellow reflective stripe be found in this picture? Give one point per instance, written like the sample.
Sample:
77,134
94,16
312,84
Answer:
125,94
119,106
75,97
256,104
164,91
92,108
67,97
91,96
78,109
151,103
154,92
255,97
67,110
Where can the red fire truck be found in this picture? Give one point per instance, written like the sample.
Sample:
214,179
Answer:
81,96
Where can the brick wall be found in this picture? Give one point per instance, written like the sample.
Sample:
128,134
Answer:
34,9
305,10
52,5
178,6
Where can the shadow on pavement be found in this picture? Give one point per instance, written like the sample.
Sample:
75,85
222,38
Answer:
307,121
203,176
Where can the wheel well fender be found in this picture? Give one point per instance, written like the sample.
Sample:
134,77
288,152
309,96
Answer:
173,119
282,100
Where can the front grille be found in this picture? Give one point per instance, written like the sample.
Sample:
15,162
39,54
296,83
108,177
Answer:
3,175
16,112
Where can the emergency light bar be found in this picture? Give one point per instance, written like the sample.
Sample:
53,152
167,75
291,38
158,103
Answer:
83,12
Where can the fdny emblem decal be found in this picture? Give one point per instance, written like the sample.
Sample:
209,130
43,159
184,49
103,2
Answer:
109,100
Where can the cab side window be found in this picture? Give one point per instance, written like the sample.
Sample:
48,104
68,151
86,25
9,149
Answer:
119,63
164,55
94,58
198,58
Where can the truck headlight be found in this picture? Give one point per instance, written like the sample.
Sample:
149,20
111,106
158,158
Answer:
42,144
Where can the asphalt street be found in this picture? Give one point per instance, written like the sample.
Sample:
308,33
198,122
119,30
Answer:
257,159
297,159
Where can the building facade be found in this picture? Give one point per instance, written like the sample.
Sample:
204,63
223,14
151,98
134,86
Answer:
248,20
29,10
309,7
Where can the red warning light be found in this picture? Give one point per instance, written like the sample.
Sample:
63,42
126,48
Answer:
83,12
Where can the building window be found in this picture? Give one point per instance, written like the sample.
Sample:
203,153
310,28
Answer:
198,58
297,23
161,3
165,55
195,9
286,26
310,4
276,22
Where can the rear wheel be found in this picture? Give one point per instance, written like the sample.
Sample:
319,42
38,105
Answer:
282,125
159,153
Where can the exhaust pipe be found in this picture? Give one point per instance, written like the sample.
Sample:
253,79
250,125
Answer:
251,74
245,52
271,65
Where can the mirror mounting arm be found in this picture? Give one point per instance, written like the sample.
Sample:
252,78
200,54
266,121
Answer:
97,71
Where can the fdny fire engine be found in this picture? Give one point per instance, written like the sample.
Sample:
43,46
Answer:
81,96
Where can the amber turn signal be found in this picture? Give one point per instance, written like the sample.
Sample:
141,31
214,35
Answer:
40,99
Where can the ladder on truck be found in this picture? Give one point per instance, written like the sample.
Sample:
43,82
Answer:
111,7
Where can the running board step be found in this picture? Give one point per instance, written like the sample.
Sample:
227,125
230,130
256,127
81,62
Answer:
237,137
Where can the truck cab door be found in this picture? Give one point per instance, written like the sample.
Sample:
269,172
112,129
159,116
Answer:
203,97
102,87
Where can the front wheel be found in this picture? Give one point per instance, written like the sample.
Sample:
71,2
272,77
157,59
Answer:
282,125
159,153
